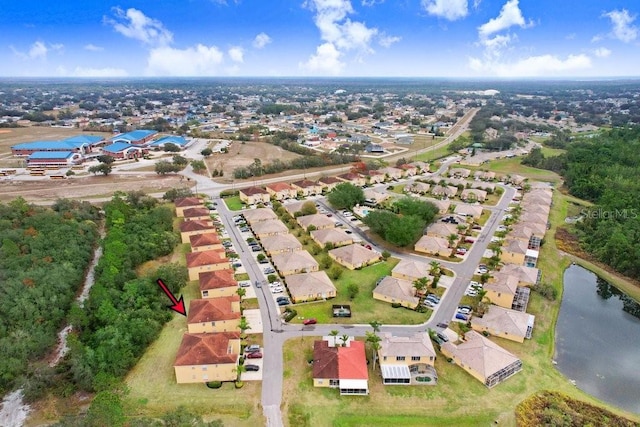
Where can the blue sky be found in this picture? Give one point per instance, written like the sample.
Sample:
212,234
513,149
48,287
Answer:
390,38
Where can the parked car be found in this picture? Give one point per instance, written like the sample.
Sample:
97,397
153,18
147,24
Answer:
464,309
429,303
251,368
443,325
256,248
462,316
269,270
348,231
244,284
263,261
310,321
442,336
471,292
252,348
433,297
281,298
254,355
284,302
277,290
368,246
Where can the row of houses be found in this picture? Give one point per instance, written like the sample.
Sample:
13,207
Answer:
398,288
76,149
211,347
283,191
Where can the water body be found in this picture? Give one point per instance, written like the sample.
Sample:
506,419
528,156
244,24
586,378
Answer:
598,339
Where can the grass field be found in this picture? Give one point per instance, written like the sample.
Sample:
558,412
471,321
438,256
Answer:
12,136
364,308
458,399
513,166
233,203
153,389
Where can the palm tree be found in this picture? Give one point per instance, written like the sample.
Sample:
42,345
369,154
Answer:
376,326
345,339
241,292
374,340
243,325
452,239
420,285
334,333
484,278
435,268
240,369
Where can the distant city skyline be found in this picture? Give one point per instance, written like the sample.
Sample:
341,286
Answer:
321,38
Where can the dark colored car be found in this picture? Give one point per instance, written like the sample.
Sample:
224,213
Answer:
311,321
252,348
254,355
251,368
284,302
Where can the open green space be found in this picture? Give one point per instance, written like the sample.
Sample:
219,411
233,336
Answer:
364,308
513,166
233,203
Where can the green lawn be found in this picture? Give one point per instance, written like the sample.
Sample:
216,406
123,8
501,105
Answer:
233,203
551,152
364,308
513,166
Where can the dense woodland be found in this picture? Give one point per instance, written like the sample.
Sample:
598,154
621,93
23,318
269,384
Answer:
43,256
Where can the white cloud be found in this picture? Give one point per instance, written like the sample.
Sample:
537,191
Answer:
325,61
623,29
261,40
99,72
447,9
38,50
387,41
236,54
494,46
371,2
602,52
93,48
534,66
136,25
199,60
510,15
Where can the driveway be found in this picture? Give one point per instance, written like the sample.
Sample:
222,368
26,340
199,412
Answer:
254,319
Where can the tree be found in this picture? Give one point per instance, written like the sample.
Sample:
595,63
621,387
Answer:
353,290
420,285
261,257
243,325
385,255
164,167
434,268
335,272
104,158
345,339
452,238
105,410
242,292
198,166
180,161
170,147
207,152
374,341
345,196
484,278
308,208
103,168
177,193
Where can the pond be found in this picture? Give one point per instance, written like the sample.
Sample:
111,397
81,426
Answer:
597,339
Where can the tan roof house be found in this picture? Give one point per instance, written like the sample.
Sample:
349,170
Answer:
257,215
254,195
407,360
444,191
354,256
502,290
319,221
281,191
421,166
441,229
310,286
192,228
516,179
418,187
396,291
202,262
272,227
352,178
219,283
341,367
483,359
514,251
205,242
374,176
442,205
459,172
376,196
214,315
505,323
473,195
408,169
294,206
392,173
472,211
328,183
433,246
203,358
334,236
193,214
307,187
489,187
410,270
527,276
288,263
185,203
281,243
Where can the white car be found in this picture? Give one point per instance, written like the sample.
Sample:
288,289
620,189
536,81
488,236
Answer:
244,284
471,293
275,284
464,310
277,290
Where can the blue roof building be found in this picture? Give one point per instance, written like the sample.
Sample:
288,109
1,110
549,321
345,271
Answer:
39,155
78,143
172,139
136,137
53,158
84,139
117,147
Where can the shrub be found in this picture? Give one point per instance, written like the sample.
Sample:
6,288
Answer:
214,384
289,314
396,305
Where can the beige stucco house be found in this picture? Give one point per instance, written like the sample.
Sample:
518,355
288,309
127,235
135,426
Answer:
214,315
207,357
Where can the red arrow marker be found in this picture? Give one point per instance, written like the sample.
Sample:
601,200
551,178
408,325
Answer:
178,304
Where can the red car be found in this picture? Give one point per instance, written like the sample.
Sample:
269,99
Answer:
311,321
255,355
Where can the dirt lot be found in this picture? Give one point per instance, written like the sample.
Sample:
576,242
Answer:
92,188
244,154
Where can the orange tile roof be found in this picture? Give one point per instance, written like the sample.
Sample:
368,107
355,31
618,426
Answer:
211,310
206,349
204,239
197,259
352,362
305,183
329,180
216,279
196,225
279,186
188,201
253,190
193,212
